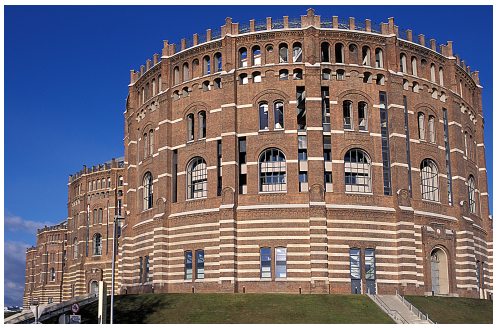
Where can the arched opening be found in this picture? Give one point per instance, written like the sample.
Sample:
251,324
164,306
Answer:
94,287
439,272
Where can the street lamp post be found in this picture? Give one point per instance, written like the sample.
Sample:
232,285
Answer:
117,218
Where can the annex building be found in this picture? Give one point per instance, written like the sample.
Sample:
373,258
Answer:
309,155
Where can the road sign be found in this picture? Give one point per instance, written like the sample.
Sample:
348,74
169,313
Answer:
74,319
75,308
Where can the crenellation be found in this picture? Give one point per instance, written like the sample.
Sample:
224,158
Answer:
421,40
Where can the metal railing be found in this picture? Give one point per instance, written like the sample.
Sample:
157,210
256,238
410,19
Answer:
392,313
417,312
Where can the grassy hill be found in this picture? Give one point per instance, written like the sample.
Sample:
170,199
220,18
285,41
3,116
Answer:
454,309
240,308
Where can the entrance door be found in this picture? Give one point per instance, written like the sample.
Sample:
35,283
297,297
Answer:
370,270
439,272
355,269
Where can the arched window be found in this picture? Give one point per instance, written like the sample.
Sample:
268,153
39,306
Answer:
195,68
353,54
269,57
297,74
278,114
429,180
472,194
147,191
471,147
147,91
340,74
95,218
283,74
441,77
75,248
52,274
272,171
263,116
176,95
256,56
381,80
367,77
196,178
415,87
202,124
339,53
283,53
185,92
190,127
243,57
433,73
325,50
154,91
120,181
402,63
256,77
176,75
146,145
347,111
365,55
414,66
406,84
421,126
218,62
217,83
432,131
243,79
465,142
206,65
186,72
151,142
297,53
326,74
97,244
362,116
357,176
159,83
101,214
379,59
206,86
143,96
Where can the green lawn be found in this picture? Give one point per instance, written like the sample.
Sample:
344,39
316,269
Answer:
454,309
240,308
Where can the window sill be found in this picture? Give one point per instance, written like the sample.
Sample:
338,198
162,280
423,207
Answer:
147,210
194,199
272,192
265,279
281,279
436,202
359,193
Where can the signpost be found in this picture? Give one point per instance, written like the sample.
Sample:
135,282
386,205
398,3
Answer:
74,319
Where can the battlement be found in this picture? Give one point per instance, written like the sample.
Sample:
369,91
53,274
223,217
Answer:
113,163
303,22
60,226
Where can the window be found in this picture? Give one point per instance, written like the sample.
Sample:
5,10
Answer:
176,95
95,216
355,266
402,63
379,60
159,83
256,56
414,66
176,75
120,181
421,126
283,74
256,77
326,74
151,142
405,84
109,182
206,86
147,191
206,65
325,52
301,107
202,124
370,264
243,79
52,274
433,73
340,74
263,116
297,74
186,72
146,145
381,80
472,194
188,265
242,57
154,87
281,262
339,53
448,164
140,269
415,87
196,178
297,53
219,173
190,127
432,132
272,171
465,142
441,77
97,244
143,96
100,215
278,114
367,77
218,62
429,180
147,268
283,53
365,55
362,116
347,110
217,83
199,264
357,174
185,92
75,248
384,132
265,257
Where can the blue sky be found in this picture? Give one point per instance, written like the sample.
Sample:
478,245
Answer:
66,76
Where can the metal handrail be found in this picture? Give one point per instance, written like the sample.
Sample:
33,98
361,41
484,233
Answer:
414,309
392,313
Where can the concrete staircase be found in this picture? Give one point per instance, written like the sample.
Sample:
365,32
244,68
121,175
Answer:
400,310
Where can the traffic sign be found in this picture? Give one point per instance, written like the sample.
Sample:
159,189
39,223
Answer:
75,308
74,319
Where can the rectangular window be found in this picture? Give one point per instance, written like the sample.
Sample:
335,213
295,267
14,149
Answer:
448,163
219,169
242,166
301,108
140,270
188,265
407,133
281,262
302,154
199,264
347,108
355,266
325,109
303,181
370,264
174,174
265,262
327,148
384,131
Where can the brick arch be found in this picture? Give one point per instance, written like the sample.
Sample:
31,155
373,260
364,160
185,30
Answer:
270,93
